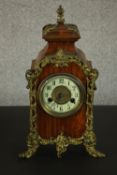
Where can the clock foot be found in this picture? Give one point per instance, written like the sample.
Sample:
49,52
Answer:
90,144
93,152
27,154
32,144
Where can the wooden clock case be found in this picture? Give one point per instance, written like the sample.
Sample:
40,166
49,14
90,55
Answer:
60,55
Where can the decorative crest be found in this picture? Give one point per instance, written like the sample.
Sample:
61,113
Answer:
59,54
60,17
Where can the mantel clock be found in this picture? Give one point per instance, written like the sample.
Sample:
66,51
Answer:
61,85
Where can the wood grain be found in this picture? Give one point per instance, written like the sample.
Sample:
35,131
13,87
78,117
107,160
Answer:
47,125
73,126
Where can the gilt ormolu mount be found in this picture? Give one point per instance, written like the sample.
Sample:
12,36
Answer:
61,85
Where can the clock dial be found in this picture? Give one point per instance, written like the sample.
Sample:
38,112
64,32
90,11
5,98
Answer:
61,94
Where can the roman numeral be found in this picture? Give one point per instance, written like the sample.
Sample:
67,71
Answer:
53,83
46,94
68,107
68,83
61,80
61,109
48,87
73,87
76,94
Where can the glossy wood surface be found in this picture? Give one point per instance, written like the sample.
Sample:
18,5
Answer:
73,126
47,125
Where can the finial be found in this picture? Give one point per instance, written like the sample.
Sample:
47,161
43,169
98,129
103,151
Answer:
60,17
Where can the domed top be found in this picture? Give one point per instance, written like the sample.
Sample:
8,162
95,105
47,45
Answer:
61,31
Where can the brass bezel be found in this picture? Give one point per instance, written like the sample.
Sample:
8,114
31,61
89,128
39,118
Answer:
71,77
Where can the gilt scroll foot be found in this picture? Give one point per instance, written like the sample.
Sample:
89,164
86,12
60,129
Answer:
93,152
90,144
29,152
32,146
